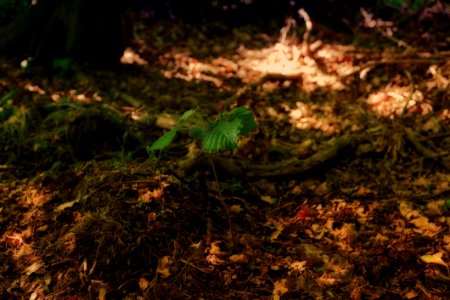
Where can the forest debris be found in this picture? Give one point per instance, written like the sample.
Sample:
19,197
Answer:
240,258
65,205
143,283
279,289
298,266
434,259
33,268
164,265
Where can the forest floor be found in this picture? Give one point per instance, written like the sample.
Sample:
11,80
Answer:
342,192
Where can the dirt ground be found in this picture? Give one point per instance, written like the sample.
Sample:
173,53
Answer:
342,191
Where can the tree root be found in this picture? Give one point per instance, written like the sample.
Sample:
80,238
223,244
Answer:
293,166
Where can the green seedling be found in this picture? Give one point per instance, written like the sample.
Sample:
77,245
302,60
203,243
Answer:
221,134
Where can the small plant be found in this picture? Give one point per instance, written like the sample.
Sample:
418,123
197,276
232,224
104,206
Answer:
222,134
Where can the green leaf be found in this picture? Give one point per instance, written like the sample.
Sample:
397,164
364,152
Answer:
244,115
198,133
187,114
163,141
223,135
225,132
447,203
7,97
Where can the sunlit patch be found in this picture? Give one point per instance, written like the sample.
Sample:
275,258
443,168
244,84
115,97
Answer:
147,195
314,116
182,66
396,101
131,57
75,96
33,197
278,62
323,69
35,89
22,252
387,28
69,242
313,65
440,76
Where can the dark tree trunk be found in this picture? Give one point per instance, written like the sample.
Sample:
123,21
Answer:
88,31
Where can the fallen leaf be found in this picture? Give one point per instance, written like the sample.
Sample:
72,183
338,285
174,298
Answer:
235,209
239,258
143,283
303,213
425,227
164,265
268,199
33,296
434,259
279,289
102,293
47,279
411,294
63,206
298,266
33,268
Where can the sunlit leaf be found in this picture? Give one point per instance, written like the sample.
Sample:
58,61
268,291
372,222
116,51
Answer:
434,259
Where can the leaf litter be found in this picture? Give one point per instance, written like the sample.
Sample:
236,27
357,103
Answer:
364,221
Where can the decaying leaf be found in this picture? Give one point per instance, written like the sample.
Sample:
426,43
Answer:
268,199
143,283
164,265
239,258
65,205
33,268
279,289
298,266
102,293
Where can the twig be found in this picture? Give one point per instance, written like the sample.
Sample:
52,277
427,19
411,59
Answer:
306,35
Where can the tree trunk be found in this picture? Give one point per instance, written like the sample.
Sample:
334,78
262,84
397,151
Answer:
88,31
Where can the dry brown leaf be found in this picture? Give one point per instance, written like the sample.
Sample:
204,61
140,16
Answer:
33,268
164,266
434,259
239,258
214,260
102,293
425,227
411,294
298,266
143,283
63,206
279,289
235,209
268,199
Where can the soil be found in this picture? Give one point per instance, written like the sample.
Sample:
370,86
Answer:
342,191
